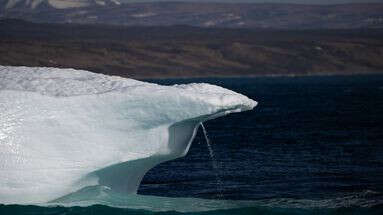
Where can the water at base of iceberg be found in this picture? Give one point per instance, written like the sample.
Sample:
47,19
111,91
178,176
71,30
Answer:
102,200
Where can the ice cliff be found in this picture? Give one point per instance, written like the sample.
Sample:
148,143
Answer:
62,129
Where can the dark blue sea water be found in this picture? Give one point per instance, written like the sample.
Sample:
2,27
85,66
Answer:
313,145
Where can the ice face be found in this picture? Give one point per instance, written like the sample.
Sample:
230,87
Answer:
62,129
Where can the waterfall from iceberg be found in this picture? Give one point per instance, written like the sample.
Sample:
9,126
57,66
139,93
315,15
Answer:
64,131
213,162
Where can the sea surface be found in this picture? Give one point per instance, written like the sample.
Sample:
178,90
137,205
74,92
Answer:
313,145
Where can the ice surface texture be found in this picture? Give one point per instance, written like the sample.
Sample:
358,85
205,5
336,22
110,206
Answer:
62,130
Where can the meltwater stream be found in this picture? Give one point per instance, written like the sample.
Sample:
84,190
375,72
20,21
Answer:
214,164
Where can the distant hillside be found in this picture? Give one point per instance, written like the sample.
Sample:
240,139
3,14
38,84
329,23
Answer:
54,4
239,15
182,51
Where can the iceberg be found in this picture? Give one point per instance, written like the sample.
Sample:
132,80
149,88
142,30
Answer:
62,130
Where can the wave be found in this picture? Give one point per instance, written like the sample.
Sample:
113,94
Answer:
100,199
137,204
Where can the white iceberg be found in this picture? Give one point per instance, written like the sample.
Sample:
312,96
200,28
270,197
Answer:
62,130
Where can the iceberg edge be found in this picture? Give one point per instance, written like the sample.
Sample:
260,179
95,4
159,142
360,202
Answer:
62,130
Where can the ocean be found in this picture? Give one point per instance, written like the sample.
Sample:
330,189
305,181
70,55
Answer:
313,145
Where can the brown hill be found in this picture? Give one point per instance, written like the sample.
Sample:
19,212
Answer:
182,51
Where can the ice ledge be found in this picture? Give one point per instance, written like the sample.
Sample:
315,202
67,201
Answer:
62,130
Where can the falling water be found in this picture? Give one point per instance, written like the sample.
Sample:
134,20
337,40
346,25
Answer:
214,163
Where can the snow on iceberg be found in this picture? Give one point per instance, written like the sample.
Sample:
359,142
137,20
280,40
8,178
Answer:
62,130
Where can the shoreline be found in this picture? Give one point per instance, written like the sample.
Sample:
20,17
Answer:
294,75
222,76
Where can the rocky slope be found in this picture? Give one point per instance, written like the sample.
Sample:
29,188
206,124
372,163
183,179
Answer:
181,51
